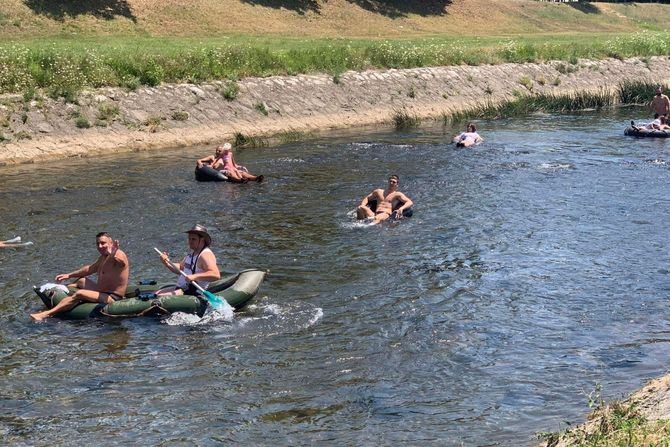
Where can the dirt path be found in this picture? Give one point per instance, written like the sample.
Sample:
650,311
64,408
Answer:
189,115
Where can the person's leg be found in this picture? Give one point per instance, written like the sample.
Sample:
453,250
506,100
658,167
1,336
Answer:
234,175
84,283
167,291
363,212
382,216
72,300
247,176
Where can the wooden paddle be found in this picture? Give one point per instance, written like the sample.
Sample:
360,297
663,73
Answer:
216,302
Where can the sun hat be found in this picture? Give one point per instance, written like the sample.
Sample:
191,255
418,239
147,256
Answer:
227,146
202,232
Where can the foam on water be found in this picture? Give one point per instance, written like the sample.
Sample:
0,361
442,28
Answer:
555,166
225,314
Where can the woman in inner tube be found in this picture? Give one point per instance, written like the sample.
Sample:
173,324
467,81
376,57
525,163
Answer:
223,161
468,138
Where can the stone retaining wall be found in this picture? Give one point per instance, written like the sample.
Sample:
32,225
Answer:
185,115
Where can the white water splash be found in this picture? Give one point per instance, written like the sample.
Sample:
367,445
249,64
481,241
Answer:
291,160
225,314
556,166
364,145
317,316
356,223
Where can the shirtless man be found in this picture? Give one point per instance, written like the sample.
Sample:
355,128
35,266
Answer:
112,269
387,200
660,104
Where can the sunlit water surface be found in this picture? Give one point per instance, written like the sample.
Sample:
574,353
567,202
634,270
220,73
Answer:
536,267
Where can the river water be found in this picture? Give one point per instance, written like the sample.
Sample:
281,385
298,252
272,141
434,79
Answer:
536,268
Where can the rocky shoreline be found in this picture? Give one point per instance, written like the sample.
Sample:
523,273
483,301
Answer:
116,120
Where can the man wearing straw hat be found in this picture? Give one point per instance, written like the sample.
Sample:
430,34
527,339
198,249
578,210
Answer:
199,265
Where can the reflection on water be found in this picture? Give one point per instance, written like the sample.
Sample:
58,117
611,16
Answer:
535,266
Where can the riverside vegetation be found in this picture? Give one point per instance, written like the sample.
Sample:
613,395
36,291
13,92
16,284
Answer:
64,67
620,423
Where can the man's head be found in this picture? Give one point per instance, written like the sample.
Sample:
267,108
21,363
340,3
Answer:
394,180
198,237
659,90
103,242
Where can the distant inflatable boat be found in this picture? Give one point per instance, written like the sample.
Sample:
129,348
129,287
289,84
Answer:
648,133
140,301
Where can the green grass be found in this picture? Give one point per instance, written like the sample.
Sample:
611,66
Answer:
260,107
618,424
403,120
242,140
107,111
64,66
82,122
524,105
180,115
292,136
635,92
229,90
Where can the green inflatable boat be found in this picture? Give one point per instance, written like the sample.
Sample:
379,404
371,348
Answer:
237,290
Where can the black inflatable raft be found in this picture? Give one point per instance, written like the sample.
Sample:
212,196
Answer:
647,133
237,290
209,174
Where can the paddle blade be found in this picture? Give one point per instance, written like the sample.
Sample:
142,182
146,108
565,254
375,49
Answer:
216,302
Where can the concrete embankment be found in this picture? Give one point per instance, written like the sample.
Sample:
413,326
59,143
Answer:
115,120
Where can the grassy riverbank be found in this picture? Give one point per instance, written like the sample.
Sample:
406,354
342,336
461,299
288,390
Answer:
67,65
631,422
66,47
